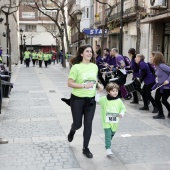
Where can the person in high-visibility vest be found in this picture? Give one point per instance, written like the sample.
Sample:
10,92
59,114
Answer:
46,59
27,55
50,57
40,58
34,57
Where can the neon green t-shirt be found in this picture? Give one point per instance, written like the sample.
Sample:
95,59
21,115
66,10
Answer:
111,108
40,56
26,54
50,56
34,55
83,73
46,57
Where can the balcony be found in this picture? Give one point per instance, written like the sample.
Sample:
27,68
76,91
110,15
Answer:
132,11
114,17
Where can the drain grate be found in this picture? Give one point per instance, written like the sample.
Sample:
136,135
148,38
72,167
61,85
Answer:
52,91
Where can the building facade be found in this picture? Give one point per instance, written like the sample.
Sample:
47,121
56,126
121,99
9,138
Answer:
13,31
76,26
158,19
37,27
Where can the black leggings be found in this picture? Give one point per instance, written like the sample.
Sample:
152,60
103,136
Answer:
83,107
137,85
27,61
164,96
40,63
46,63
146,95
33,61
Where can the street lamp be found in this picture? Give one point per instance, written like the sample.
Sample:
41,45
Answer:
21,46
7,41
62,26
79,15
63,48
24,37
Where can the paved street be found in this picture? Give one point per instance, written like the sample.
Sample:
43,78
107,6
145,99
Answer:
36,123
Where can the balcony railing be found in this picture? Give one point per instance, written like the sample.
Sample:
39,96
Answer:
127,12
114,16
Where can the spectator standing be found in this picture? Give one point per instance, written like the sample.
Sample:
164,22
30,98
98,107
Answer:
148,78
134,66
54,58
163,78
61,56
100,63
121,73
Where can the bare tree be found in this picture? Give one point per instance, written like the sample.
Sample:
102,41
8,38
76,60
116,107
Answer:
105,19
138,27
138,18
55,34
9,8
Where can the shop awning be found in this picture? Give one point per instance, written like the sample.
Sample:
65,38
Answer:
159,18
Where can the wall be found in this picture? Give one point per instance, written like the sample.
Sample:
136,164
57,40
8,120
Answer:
13,26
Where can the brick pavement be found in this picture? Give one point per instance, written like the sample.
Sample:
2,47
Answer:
36,123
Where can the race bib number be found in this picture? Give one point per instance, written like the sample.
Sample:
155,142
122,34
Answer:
112,118
91,81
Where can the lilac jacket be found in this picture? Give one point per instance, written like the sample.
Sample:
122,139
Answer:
163,73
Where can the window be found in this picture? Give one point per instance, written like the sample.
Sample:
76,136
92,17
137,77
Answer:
77,1
51,13
51,28
29,15
87,12
33,1
30,28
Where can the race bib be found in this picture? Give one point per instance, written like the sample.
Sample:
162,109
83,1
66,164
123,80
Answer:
91,81
112,118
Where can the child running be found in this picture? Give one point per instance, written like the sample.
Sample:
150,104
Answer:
112,109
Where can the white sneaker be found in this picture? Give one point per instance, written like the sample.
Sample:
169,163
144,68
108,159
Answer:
109,152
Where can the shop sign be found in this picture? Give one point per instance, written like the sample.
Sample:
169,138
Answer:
94,32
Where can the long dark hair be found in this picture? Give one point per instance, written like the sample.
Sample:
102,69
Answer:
133,52
78,59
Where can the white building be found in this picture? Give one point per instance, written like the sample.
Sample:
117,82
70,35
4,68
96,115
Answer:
38,28
78,38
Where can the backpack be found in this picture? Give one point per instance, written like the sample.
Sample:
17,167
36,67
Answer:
127,60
